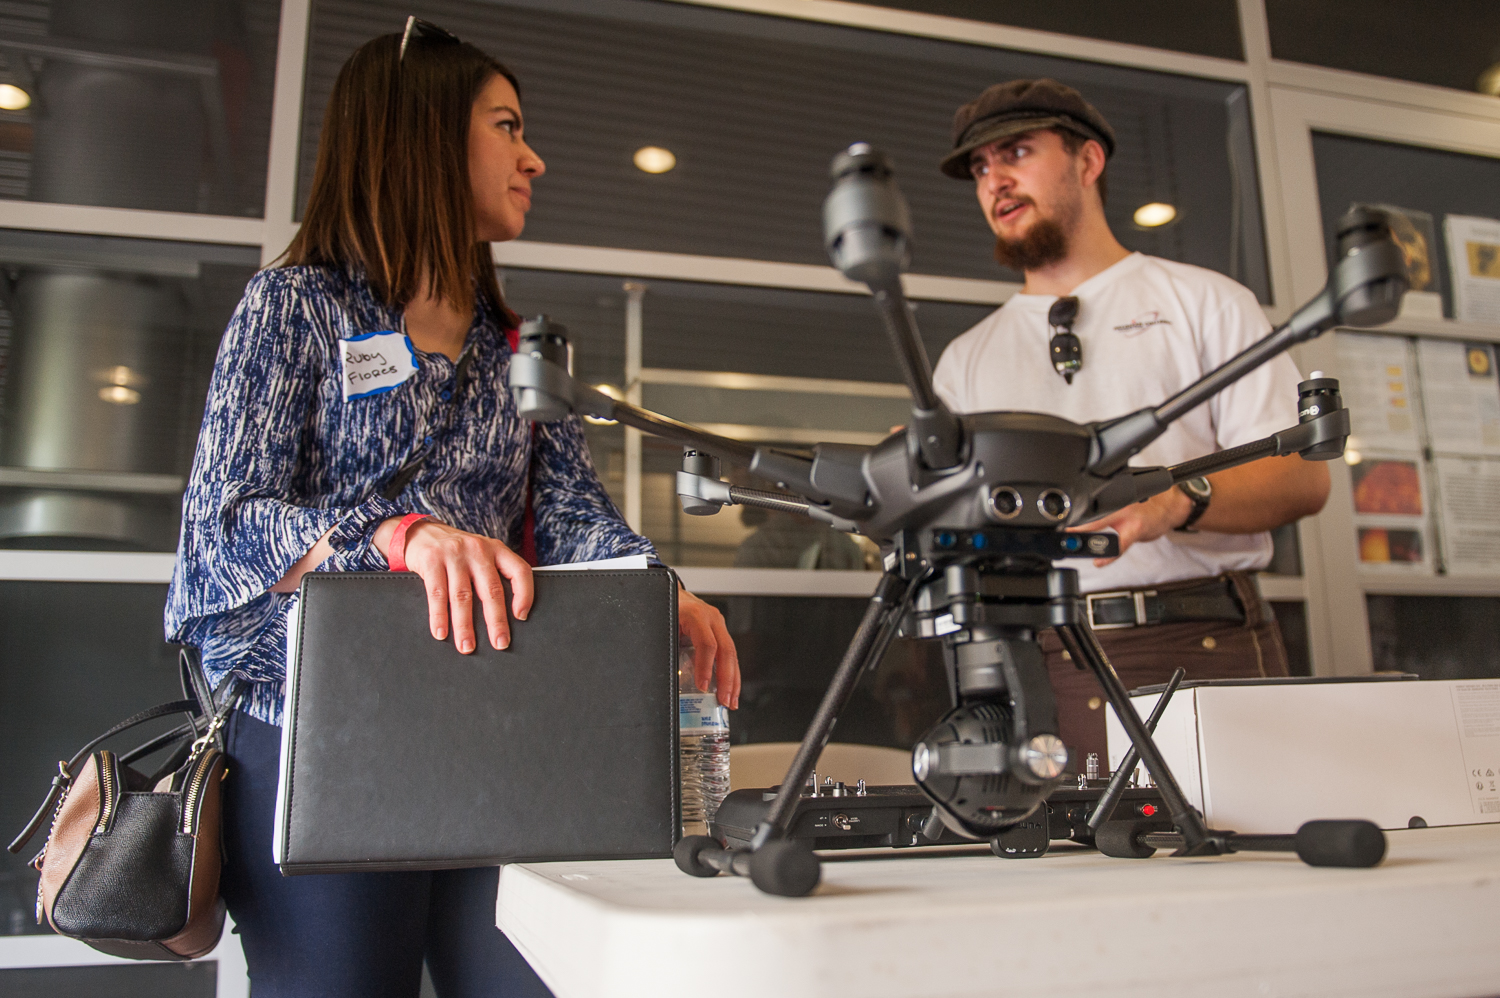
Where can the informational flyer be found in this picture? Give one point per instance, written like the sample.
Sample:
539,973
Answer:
1390,513
1474,252
1375,378
1460,396
1469,514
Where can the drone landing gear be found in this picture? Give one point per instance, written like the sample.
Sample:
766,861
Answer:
781,865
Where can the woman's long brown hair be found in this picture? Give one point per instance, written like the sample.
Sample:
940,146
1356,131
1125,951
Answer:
391,190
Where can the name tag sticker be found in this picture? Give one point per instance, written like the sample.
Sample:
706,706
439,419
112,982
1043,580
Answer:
375,363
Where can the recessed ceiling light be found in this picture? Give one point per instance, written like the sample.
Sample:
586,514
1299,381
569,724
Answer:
1489,81
1150,216
119,395
654,159
13,98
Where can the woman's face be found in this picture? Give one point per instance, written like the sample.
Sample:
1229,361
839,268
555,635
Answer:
501,164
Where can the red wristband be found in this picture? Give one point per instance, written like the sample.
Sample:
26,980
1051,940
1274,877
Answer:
395,554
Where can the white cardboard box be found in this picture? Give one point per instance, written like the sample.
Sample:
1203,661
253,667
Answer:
1266,758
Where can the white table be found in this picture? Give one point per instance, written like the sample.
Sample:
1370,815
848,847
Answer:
1425,923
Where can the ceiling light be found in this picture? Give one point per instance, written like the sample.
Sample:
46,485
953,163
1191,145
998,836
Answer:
1352,457
1489,81
119,395
1150,216
13,98
119,375
654,159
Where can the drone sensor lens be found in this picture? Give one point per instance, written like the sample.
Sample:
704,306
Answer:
1054,504
1005,502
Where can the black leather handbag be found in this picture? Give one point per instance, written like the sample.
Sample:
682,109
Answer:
131,864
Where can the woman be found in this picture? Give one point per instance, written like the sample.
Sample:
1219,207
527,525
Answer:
313,456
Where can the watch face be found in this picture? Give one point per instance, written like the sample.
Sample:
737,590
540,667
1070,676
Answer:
1198,487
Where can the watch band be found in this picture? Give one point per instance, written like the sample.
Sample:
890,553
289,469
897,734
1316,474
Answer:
1200,501
395,555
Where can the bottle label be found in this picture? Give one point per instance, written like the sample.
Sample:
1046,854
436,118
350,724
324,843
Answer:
700,713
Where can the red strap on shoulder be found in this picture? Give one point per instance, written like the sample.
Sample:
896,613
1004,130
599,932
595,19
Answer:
528,520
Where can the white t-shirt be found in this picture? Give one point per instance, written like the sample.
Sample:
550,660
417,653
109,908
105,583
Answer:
1149,327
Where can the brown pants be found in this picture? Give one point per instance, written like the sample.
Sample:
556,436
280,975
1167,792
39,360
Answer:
1146,655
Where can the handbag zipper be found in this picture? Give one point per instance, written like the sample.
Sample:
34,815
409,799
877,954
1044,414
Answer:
194,788
107,788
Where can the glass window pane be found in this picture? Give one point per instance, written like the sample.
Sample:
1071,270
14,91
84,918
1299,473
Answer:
1434,181
106,347
1202,27
163,105
691,328
1449,43
67,676
789,647
754,107
1437,637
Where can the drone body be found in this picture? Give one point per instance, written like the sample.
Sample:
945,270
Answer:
976,517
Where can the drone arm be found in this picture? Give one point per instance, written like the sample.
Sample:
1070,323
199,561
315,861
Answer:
1122,439
866,229
545,391
1364,289
933,424
1318,437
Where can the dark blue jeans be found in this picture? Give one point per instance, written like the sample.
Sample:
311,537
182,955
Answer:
354,934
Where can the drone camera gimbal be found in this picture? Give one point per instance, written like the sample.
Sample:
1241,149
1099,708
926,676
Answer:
976,516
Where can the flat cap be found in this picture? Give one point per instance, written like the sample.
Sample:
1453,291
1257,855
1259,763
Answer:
1007,109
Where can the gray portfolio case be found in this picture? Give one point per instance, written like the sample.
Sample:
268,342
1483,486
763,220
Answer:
398,753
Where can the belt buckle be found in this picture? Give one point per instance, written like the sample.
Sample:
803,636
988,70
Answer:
1138,602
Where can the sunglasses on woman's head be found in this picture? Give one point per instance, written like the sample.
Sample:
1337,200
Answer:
418,28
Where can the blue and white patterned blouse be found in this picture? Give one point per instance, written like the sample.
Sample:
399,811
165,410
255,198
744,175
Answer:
282,458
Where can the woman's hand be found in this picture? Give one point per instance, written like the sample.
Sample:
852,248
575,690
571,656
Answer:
713,648
456,567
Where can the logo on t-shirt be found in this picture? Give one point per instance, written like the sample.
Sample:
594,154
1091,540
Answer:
1142,322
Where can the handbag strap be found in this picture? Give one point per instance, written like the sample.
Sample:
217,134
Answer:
194,682
64,776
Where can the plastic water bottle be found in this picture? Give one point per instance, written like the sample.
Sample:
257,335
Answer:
703,728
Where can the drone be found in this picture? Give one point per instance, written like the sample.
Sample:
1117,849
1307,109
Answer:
972,515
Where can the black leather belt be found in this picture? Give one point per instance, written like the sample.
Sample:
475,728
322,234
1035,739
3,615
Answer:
1213,600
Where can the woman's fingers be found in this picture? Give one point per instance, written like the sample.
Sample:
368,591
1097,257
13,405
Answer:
459,568
437,602
461,605
705,647
714,655
728,664
491,593
515,569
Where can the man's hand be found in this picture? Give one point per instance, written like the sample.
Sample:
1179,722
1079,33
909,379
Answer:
1144,521
1261,495
714,655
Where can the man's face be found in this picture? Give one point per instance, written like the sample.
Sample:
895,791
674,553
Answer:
1030,188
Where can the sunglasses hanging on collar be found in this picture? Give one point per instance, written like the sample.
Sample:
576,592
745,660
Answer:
1066,350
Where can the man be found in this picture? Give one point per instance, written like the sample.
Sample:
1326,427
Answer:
1036,151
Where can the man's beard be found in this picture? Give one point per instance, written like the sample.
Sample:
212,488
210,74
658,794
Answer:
1044,244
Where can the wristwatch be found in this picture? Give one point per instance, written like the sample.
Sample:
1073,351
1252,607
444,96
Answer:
1201,492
